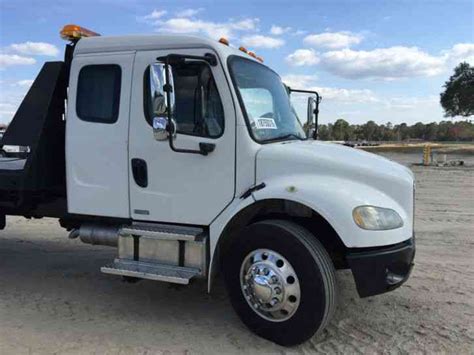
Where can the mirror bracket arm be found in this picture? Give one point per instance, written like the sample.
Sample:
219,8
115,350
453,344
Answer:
316,110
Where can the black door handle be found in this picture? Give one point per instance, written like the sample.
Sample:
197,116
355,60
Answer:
140,172
206,148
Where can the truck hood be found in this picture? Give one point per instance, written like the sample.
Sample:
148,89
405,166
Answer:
329,160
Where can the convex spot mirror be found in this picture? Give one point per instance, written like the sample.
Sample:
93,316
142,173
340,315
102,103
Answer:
162,102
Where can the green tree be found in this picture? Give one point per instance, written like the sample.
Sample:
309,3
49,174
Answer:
458,96
341,130
431,131
370,130
323,133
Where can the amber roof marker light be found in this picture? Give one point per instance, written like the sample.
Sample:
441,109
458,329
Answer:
224,40
75,32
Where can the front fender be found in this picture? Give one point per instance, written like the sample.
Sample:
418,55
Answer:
217,227
334,198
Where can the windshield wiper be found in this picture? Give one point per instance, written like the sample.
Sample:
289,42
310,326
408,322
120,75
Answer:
283,137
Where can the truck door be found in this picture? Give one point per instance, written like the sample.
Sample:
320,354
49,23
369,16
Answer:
97,135
168,186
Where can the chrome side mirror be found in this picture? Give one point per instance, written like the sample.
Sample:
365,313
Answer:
161,106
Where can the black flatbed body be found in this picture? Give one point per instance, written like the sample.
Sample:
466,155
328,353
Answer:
35,186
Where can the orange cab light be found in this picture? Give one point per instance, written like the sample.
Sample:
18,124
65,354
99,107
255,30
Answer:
260,59
243,49
252,54
75,32
224,40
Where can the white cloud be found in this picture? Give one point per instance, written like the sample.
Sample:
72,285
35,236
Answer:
8,105
333,40
7,108
7,60
410,103
309,82
211,29
259,41
24,83
347,95
299,33
384,63
278,30
461,52
155,15
299,80
189,12
245,25
302,57
35,48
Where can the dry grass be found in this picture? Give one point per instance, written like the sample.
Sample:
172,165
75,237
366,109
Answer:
444,148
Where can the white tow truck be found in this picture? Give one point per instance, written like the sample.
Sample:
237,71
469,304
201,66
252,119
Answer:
186,155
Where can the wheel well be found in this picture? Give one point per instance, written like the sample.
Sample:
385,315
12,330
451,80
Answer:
285,210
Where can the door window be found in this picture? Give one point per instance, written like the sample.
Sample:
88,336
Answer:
98,93
197,108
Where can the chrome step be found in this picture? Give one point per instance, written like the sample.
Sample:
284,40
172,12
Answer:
162,231
151,271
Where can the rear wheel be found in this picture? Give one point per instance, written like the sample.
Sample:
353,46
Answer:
281,281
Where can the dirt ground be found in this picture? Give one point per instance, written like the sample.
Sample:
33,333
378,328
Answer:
53,298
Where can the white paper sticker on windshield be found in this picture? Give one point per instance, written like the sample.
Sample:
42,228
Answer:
265,123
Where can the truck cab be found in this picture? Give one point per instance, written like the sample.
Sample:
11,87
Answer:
186,155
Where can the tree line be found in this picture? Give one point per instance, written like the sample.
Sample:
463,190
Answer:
341,130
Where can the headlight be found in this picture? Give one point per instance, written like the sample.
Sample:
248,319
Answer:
376,218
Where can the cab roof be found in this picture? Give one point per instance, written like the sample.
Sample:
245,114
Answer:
103,44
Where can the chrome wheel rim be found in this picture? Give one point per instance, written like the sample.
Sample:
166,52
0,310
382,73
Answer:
270,285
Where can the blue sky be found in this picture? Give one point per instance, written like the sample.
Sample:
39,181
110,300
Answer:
371,60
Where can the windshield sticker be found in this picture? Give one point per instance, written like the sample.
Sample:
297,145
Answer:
265,123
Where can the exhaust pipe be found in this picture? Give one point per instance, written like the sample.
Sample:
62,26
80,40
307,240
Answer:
96,234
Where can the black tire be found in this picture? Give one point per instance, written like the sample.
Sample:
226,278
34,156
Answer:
314,270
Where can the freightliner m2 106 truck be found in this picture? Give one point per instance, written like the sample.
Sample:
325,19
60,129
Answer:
186,155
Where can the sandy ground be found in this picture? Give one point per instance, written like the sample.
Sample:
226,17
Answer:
53,298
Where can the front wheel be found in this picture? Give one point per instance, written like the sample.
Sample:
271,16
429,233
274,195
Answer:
281,281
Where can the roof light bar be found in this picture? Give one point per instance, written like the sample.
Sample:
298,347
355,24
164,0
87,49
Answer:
75,32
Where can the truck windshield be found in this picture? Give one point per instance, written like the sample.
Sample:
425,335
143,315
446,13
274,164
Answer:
265,102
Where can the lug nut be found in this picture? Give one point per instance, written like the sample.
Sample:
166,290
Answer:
274,279
277,290
274,301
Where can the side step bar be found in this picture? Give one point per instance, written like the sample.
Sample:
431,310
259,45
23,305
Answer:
162,231
151,271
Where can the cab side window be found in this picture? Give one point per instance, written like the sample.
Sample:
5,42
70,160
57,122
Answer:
197,108
98,93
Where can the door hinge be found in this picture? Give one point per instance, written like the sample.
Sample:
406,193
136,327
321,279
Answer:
252,189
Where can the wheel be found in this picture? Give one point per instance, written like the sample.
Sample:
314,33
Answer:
281,281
